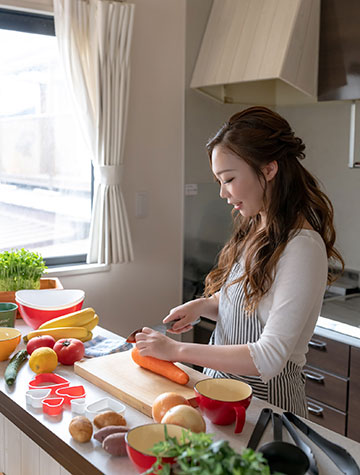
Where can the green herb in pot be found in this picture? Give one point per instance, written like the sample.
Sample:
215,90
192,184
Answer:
20,269
198,454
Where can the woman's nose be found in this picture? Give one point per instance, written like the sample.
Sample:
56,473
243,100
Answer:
223,193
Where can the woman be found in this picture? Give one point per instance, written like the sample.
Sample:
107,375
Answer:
266,291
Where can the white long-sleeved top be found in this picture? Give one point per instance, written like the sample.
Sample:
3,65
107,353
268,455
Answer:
290,309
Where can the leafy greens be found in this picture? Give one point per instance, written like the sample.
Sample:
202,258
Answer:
198,454
20,269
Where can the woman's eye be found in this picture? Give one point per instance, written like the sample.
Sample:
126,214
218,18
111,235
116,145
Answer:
228,181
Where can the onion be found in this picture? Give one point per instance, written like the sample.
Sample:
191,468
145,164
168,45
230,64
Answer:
164,402
185,416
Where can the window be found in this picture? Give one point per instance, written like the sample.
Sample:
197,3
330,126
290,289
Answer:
45,167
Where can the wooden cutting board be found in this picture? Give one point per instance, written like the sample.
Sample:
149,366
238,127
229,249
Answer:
121,377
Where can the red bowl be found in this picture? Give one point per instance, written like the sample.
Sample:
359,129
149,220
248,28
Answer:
140,440
224,400
38,306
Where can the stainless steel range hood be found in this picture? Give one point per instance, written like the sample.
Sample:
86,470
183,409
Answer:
260,52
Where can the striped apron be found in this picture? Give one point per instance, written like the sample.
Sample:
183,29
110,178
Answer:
235,326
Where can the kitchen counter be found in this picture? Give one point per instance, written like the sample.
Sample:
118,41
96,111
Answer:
51,433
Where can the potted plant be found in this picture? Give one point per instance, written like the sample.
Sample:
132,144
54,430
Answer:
197,453
22,269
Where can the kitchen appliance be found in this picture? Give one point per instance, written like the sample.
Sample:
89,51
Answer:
122,378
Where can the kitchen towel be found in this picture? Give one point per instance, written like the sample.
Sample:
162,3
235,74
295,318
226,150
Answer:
101,346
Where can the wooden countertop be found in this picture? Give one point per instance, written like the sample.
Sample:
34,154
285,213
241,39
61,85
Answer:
52,435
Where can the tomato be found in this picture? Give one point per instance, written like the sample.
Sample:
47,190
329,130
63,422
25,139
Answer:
39,342
69,350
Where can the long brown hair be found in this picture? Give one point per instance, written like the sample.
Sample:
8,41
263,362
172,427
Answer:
259,136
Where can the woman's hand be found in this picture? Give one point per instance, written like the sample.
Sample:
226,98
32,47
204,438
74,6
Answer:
152,343
188,312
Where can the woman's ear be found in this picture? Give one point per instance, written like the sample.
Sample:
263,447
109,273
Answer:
270,170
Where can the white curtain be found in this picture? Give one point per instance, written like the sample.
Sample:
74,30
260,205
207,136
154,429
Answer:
94,38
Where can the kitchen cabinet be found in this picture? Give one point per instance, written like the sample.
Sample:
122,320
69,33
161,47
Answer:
354,395
339,71
19,455
327,383
333,385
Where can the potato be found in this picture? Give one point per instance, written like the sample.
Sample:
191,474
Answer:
114,444
108,430
81,429
109,418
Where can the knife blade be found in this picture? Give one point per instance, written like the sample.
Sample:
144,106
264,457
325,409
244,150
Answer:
162,328
341,457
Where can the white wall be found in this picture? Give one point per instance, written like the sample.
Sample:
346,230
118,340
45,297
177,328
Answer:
324,127
142,292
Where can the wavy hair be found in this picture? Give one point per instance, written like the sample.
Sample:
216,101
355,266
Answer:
260,136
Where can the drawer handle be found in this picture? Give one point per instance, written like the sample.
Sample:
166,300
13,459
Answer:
318,345
319,378
315,409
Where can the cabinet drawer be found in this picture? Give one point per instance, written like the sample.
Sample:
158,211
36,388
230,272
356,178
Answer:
326,387
354,384
327,416
353,429
329,355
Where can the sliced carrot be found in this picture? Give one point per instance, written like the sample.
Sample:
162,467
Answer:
164,368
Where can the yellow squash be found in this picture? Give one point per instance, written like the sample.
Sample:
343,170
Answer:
75,319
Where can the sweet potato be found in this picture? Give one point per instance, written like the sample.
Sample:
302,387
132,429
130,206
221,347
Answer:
109,418
101,434
114,444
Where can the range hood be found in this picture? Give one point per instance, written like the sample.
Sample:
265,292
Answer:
260,52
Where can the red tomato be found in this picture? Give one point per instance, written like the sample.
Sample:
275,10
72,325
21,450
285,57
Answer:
39,342
69,350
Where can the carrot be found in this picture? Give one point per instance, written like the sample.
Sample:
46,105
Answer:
164,368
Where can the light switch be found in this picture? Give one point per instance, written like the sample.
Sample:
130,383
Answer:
141,204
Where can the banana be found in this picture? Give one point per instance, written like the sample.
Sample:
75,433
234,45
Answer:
89,337
75,319
92,324
80,333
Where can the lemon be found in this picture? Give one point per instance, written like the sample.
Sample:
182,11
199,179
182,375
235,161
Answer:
43,360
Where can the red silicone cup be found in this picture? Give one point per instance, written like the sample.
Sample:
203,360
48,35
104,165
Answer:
48,381
220,410
53,405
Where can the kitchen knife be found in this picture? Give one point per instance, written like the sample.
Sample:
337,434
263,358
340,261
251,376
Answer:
162,328
341,457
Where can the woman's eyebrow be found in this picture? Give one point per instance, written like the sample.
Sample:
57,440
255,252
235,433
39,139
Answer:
227,170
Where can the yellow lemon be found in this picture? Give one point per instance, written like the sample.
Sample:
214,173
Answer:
43,360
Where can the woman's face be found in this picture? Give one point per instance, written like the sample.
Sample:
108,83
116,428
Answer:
239,184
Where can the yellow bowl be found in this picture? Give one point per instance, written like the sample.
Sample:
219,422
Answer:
9,340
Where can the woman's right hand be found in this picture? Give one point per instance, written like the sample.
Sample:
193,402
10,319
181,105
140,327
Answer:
188,312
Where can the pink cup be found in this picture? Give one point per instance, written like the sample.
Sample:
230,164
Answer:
223,400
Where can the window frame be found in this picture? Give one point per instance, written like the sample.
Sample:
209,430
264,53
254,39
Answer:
43,24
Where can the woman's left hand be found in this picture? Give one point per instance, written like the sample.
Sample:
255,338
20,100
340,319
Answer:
152,343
